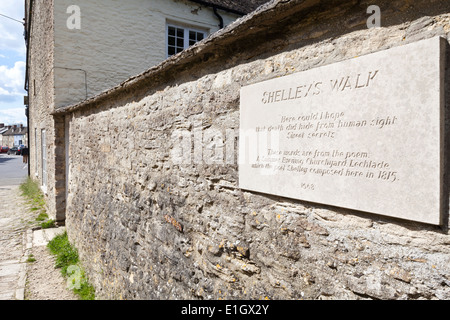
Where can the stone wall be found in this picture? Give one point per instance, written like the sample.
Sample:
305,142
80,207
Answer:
148,227
41,98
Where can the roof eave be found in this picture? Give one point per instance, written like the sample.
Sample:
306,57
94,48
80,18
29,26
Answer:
207,4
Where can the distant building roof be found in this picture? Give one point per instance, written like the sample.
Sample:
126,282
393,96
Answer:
19,130
237,6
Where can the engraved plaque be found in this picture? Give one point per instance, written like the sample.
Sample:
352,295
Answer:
364,134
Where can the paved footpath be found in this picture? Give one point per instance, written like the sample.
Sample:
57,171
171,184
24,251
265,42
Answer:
15,242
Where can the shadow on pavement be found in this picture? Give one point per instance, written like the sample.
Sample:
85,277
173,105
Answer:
4,160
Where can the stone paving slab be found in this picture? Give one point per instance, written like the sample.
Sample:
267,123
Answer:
43,236
9,268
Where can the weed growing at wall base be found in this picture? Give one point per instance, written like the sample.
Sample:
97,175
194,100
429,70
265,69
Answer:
30,190
67,260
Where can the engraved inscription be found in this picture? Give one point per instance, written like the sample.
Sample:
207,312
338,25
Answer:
333,162
316,88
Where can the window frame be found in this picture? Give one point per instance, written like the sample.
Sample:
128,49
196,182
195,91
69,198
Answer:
186,29
36,152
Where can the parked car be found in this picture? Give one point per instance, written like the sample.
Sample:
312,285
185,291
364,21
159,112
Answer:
4,150
13,150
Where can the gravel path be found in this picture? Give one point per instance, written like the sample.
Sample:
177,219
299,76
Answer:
44,282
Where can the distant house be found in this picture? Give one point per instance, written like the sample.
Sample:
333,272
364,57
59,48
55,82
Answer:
75,52
3,129
14,136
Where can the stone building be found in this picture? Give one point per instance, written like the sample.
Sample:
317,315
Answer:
151,179
15,136
77,51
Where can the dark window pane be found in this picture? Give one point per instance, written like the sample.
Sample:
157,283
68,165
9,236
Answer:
171,41
180,42
199,36
171,51
192,35
180,33
171,31
191,42
179,49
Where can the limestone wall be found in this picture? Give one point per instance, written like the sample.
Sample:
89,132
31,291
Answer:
148,227
41,98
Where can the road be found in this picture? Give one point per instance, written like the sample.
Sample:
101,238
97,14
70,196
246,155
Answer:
12,170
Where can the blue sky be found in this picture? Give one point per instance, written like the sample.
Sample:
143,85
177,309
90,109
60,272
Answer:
12,63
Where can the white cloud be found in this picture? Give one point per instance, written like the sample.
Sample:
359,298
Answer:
12,80
13,116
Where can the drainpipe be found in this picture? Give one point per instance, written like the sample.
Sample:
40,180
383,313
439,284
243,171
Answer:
27,41
219,17
28,135
27,32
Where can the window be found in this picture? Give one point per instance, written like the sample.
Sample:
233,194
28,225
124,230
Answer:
180,37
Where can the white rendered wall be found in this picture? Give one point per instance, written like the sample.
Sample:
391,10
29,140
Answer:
116,40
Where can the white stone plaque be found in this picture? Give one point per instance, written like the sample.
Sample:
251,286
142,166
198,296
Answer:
364,134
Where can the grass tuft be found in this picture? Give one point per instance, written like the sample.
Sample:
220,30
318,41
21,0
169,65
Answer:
30,189
68,261
66,255
31,258
48,224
